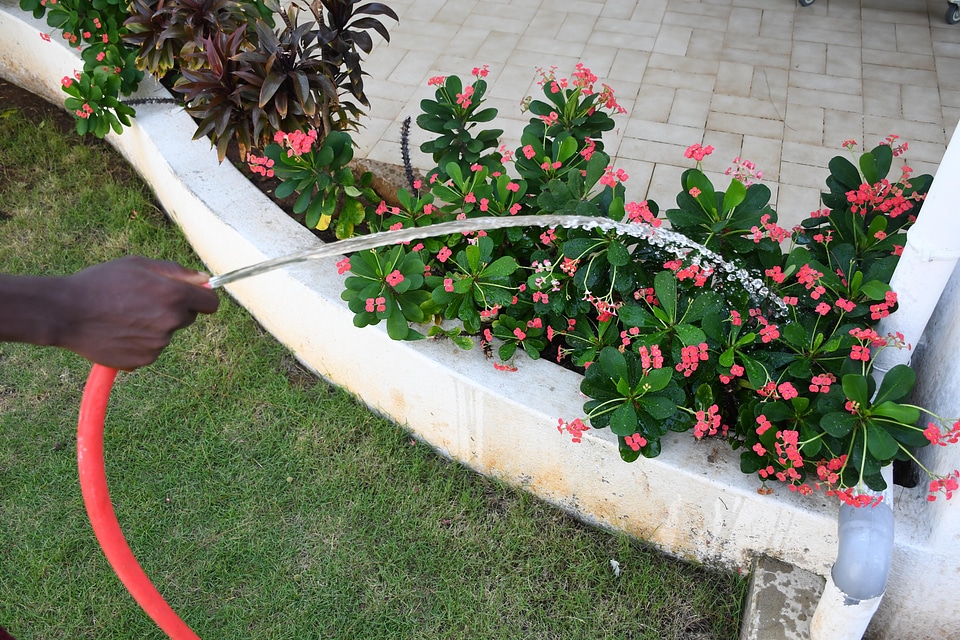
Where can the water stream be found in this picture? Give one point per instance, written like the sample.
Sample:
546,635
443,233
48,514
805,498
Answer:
675,243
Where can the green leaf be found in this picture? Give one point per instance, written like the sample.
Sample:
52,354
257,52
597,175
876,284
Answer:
617,254
690,335
665,286
658,407
501,267
623,421
855,387
845,173
735,194
875,289
881,444
898,412
397,327
868,165
897,384
614,364
657,379
838,423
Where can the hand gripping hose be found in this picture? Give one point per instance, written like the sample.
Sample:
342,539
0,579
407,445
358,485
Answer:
96,497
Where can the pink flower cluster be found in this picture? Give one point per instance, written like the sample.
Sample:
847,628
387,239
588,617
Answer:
690,358
296,142
260,165
697,152
575,428
708,423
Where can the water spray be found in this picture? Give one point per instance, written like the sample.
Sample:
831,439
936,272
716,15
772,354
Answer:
96,395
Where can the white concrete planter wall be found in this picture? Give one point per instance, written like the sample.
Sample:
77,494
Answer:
692,501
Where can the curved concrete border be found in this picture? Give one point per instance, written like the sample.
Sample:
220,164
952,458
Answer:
692,501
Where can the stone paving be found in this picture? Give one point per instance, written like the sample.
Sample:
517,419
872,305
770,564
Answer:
767,80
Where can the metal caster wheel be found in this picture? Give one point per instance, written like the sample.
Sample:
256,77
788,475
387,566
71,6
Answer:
805,3
953,14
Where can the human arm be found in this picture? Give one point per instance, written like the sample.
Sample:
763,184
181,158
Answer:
120,314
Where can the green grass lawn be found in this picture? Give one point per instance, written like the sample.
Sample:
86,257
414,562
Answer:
262,502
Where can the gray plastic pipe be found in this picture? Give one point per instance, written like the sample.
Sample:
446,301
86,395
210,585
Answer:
858,580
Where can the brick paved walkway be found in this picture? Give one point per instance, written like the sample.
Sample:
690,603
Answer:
768,80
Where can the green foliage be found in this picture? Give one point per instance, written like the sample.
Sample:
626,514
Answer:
241,78
742,333
322,177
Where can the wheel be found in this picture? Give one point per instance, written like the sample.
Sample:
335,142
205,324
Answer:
805,3
953,14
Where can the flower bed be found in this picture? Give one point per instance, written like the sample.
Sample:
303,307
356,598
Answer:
692,500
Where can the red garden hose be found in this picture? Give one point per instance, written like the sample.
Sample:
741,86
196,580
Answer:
96,497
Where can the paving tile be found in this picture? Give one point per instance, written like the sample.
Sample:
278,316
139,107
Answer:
690,108
914,39
795,203
912,61
760,45
900,17
817,98
497,47
739,106
771,85
646,27
806,21
696,9
946,49
383,60
414,69
810,57
456,13
622,40
950,97
510,24
651,10
833,84
682,64
514,82
709,23
898,75
921,104
665,184
914,132
600,59
812,154
947,77
621,9
705,44
734,78
651,151
802,175
549,47
576,28
877,35
804,124
663,132
745,21
629,65
763,127
640,172
653,103
672,40
677,80
727,146
826,36
839,126
765,153
882,98
746,56
844,61
588,7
